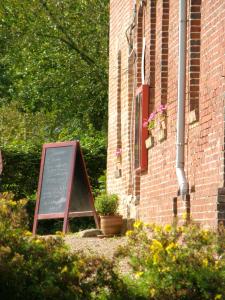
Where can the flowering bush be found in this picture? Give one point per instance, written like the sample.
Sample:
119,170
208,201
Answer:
43,268
175,262
156,118
167,262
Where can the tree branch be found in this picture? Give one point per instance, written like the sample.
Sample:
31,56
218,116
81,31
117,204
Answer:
67,40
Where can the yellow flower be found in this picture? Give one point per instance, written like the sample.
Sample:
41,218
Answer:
167,228
166,269
81,261
37,241
138,224
156,246
64,270
173,258
12,203
152,292
205,262
172,246
4,209
184,216
217,265
138,274
157,229
205,234
59,233
155,259
129,232
218,296
27,233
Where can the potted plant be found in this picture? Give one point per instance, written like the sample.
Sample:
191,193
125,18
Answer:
110,222
156,124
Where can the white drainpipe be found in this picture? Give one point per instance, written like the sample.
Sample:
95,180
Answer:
182,180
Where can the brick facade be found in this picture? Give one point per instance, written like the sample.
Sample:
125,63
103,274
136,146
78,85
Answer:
152,195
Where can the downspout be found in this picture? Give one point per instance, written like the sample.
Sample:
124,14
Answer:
181,177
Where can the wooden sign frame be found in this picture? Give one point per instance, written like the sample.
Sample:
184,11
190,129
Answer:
76,150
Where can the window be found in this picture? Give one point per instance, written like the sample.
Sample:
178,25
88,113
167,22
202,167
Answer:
119,88
194,58
141,133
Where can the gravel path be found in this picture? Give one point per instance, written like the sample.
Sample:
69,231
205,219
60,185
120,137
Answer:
94,245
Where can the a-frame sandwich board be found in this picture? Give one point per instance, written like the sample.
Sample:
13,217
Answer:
64,189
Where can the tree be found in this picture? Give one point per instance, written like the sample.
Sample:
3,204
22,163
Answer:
54,59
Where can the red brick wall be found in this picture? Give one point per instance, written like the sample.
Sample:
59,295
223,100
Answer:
205,95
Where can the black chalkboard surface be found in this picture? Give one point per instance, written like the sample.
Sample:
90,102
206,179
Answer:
64,190
55,180
80,192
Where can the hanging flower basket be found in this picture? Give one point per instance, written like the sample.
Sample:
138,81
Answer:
149,143
161,136
156,125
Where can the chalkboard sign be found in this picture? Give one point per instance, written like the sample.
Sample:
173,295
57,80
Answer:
64,189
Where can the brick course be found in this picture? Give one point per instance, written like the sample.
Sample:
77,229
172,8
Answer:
151,195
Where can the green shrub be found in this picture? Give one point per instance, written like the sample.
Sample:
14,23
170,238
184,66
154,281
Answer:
167,263
175,262
20,171
107,204
37,268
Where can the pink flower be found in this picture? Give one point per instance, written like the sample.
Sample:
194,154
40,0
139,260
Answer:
145,124
161,108
118,152
152,116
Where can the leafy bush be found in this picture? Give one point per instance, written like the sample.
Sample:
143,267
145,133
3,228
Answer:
167,262
37,268
22,165
106,204
20,171
175,262
101,189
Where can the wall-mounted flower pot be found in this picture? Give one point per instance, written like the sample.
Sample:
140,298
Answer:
192,117
161,136
149,143
118,159
118,172
111,225
163,124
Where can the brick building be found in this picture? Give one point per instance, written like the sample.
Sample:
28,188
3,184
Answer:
144,58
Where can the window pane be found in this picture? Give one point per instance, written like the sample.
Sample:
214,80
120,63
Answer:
137,131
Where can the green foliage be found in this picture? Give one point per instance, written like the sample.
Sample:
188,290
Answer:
106,204
54,58
101,184
20,172
37,268
93,146
22,162
175,262
25,131
167,262
53,85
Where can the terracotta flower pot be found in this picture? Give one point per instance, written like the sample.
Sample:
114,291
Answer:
111,225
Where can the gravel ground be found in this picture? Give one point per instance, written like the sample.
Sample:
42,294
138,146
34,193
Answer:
94,245
99,246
